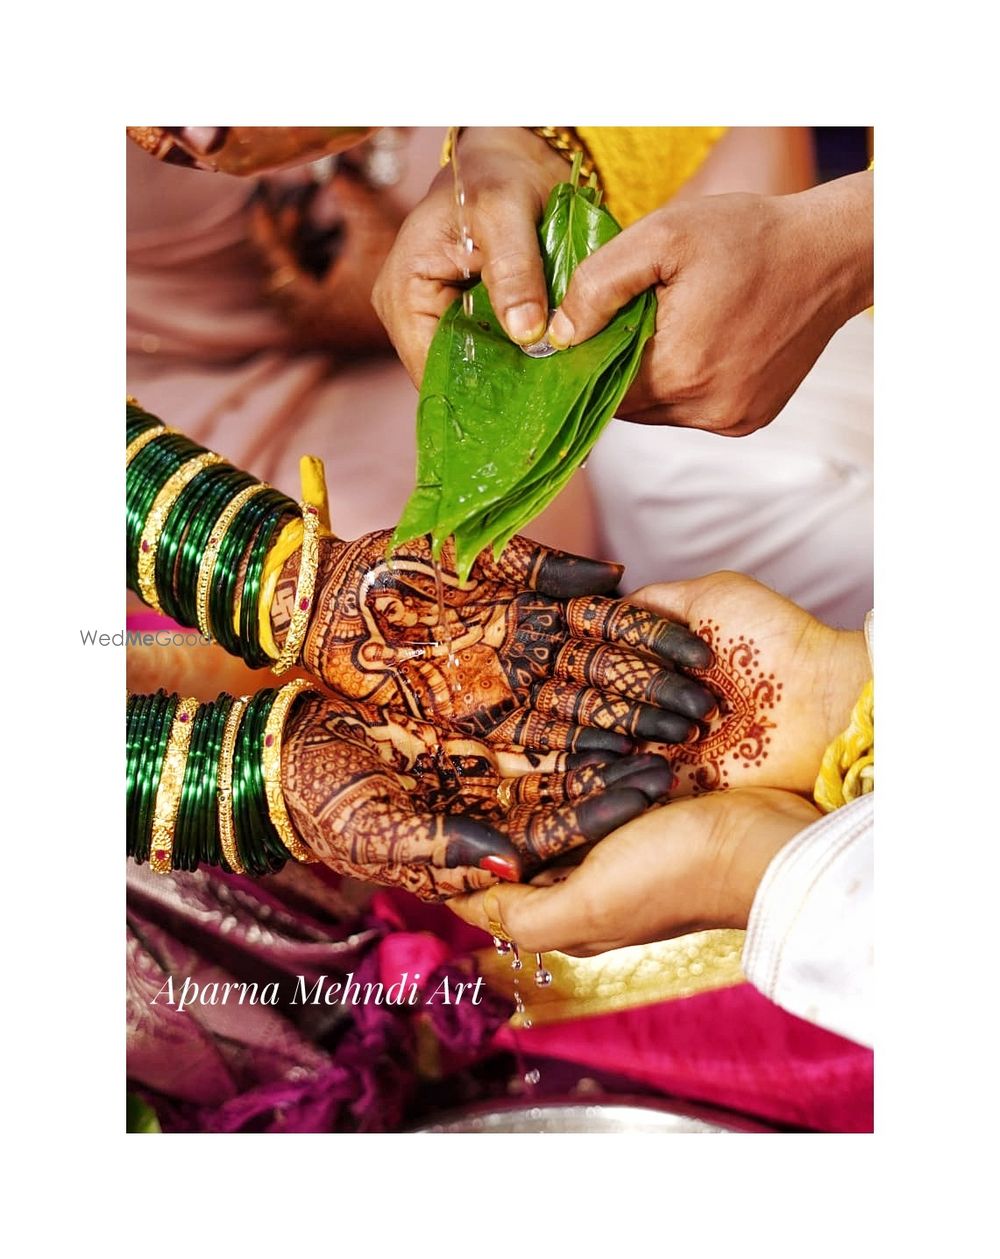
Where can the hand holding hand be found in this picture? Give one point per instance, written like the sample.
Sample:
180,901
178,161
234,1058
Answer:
688,866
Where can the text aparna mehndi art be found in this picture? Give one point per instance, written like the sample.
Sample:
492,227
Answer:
348,991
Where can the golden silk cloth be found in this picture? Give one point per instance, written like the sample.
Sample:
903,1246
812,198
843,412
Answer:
622,978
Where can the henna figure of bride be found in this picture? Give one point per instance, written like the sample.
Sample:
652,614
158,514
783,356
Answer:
529,652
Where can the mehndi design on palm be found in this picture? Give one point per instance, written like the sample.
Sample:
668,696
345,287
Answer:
531,651
391,799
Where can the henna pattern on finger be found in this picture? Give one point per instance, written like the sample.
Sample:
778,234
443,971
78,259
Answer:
741,733
401,633
387,798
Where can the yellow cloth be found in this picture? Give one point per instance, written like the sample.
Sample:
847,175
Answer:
312,478
848,767
639,168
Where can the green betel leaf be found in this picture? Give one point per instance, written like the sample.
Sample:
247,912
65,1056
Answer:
500,433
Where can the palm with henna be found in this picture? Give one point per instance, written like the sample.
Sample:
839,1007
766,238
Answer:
531,652
391,799
786,683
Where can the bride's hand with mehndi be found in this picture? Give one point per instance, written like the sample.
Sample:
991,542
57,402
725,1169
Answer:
786,683
532,652
393,800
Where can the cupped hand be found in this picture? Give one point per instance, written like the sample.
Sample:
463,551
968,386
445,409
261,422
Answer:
690,865
507,174
531,652
393,800
749,290
786,682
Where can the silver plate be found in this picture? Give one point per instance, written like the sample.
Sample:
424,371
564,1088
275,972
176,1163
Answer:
599,1116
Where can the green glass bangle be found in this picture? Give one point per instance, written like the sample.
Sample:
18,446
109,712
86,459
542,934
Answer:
149,472
151,767
137,420
247,838
210,847
142,717
222,595
185,851
270,850
135,427
276,851
136,712
223,491
157,461
157,745
250,647
189,503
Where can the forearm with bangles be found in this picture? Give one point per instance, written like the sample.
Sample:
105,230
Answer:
203,782
206,542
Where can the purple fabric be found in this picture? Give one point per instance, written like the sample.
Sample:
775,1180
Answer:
382,1067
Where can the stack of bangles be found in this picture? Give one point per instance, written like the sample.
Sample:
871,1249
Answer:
205,542
203,782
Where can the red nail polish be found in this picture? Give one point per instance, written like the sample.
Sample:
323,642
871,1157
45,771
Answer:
712,713
503,867
694,734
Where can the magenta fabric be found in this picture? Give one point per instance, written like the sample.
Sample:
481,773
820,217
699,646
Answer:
731,1047
363,1068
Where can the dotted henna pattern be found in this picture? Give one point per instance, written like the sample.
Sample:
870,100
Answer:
741,732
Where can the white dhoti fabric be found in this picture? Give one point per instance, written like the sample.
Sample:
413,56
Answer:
790,504
809,939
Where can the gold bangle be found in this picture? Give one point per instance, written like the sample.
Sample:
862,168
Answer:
157,518
289,541
206,568
142,441
168,792
567,144
314,492
224,785
271,767
304,587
